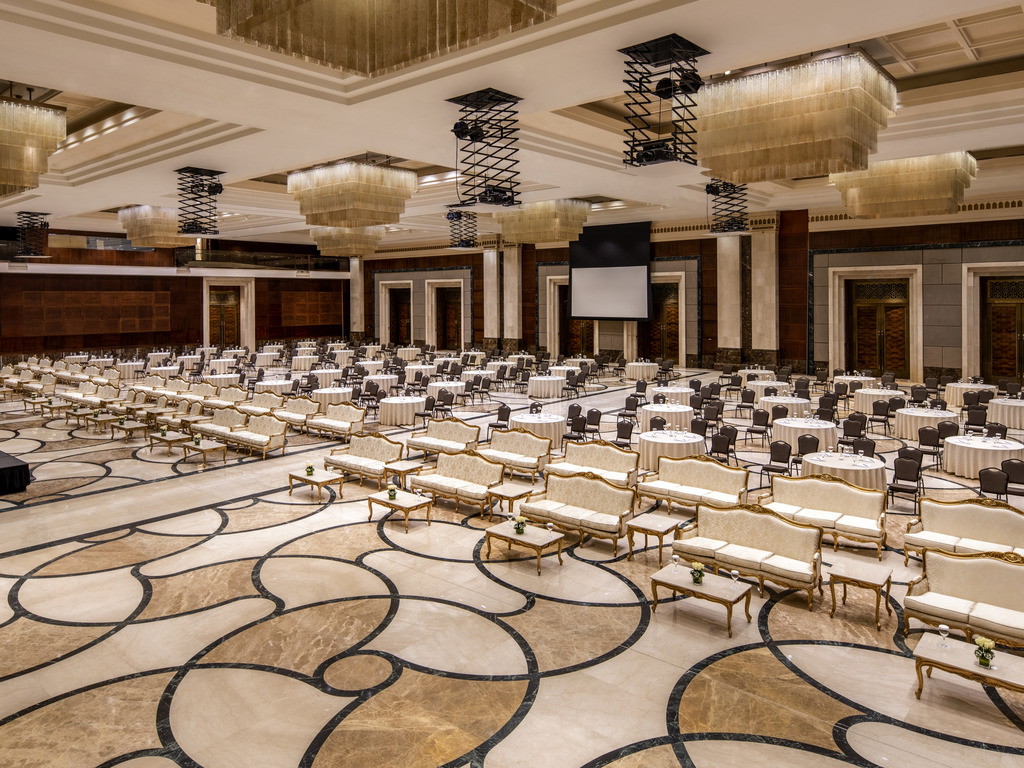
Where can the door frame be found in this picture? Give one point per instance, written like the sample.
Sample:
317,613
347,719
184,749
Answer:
837,278
431,286
881,324
971,304
246,307
384,288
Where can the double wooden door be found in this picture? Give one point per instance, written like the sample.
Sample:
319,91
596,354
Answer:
400,326
878,326
1002,337
659,336
224,303
449,318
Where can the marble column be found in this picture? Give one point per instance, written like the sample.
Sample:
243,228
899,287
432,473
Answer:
357,325
512,298
764,298
730,298
492,299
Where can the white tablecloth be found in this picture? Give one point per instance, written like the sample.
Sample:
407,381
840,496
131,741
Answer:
955,392
455,387
166,371
221,364
331,396
965,456
328,376
372,350
514,359
102,362
578,361
863,399
303,362
910,420
335,347
545,386
154,357
864,473
128,369
210,351
344,356
412,370
277,386
222,380
494,365
645,371
670,443
760,386
470,373
384,380
1009,412
233,352
265,359
867,382
541,424
562,370
763,374
789,431
679,395
85,358
272,348
474,358
676,416
396,411
409,353
797,406
372,366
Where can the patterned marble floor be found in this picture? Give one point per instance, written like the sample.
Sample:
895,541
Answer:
162,615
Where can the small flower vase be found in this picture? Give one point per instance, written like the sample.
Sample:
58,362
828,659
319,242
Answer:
163,431
121,420
392,493
698,576
984,657
49,401
196,440
520,528
309,470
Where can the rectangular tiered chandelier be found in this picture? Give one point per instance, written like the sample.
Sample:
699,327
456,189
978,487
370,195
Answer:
550,221
810,119
151,227
347,241
352,194
29,134
372,37
912,186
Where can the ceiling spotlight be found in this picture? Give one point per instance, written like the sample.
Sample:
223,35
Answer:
469,131
688,82
215,188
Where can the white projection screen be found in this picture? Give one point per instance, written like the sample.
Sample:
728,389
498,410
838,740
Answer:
610,273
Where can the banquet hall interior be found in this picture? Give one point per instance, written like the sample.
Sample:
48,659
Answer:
498,383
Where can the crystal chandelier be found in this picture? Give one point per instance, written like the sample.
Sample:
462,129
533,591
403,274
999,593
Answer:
351,194
151,227
810,119
913,186
550,221
29,134
347,241
372,37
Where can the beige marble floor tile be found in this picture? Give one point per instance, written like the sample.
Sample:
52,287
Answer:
886,744
6,612
573,580
201,523
739,754
306,580
93,598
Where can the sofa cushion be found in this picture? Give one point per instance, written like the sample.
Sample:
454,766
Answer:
541,506
698,545
720,498
566,468
473,491
789,568
788,511
436,444
938,604
1000,621
970,546
858,525
507,457
931,539
601,521
818,517
439,483
736,554
358,463
569,515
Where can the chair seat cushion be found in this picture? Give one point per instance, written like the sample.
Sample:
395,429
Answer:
788,511
1000,621
721,498
938,604
931,539
474,491
436,444
975,545
329,424
602,521
570,515
858,525
439,483
736,554
356,463
698,545
508,458
250,438
787,567
541,507
818,517
617,478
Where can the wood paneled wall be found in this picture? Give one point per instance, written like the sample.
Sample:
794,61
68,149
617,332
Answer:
794,244
289,309
938,234
57,313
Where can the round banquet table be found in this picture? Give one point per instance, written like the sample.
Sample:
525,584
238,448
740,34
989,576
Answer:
798,406
1007,411
210,351
955,392
789,431
265,359
233,352
327,376
645,371
763,374
104,362
866,382
154,357
760,386
277,386
343,357
372,366
303,362
494,365
222,379
128,369
563,370
676,416
514,359
578,361
863,399
966,455
455,387
221,364
412,370
474,358
332,396
541,424
335,347
69,359
384,380
272,348
910,420
409,353
397,411
862,472
164,371
545,386
680,395
467,375
670,443
372,350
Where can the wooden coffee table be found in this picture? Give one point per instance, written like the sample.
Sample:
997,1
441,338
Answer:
55,409
129,428
400,469
170,439
864,575
532,537
506,492
715,589
101,421
204,447
1007,670
403,502
318,480
651,524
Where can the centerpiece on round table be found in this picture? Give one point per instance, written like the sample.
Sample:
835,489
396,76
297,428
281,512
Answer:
309,467
985,650
520,525
697,572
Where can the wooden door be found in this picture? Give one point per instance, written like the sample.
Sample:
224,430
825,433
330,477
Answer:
878,326
1002,331
575,337
449,318
659,337
224,303
400,301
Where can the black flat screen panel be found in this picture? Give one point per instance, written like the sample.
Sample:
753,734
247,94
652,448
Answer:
610,273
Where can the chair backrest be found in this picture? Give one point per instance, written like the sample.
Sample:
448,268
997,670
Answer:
895,403
747,396
928,436
771,391
779,452
624,430
779,412
695,385
1014,469
906,469
865,444
535,408
575,409
969,399
632,403
720,445
658,423
995,429
699,427
841,388
658,399
977,416
807,444
993,480
986,396
593,417
910,453
880,408
731,432
641,387
760,418
696,402
579,425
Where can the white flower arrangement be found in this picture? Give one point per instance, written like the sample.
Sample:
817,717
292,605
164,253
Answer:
985,650
697,566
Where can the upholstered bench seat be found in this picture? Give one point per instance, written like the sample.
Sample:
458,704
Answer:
695,480
444,436
597,457
518,450
965,527
365,456
583,504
